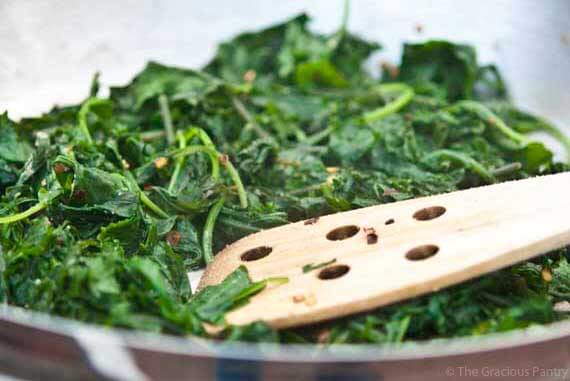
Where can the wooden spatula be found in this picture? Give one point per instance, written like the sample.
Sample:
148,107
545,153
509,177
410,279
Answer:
359,260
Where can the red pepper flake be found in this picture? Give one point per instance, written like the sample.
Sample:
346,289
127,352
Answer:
161,162
250,76
148,187
312,221
60,168
298,298
546,274
392,70
323,336
371,236
80,194
310,300
224,159
173,237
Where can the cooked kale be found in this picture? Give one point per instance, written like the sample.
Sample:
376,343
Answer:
311,266
107,204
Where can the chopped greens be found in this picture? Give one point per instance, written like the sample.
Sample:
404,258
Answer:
311,266
106,205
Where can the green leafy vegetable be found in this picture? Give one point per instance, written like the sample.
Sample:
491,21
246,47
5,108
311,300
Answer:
310,267
440,68
12,149
106,205
214,301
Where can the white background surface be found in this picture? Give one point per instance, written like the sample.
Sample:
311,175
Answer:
49,49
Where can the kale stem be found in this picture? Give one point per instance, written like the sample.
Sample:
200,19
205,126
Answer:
316,149
319,136
144,198
152,206
151,135
214,155
215,159
307,189
82,116
507,169
209,229
464,160
25,214
207,141
232,171
201,134
166,119
487,115
244,113
234,175
239,225
406,95
179,162
300,134
403,328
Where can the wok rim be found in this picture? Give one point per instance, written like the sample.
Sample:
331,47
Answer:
301,353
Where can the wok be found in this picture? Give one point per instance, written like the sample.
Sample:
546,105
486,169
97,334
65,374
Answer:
49,51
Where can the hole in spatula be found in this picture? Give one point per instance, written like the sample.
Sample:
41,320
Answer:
333,272
343,232
255,254
422,252
430,213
